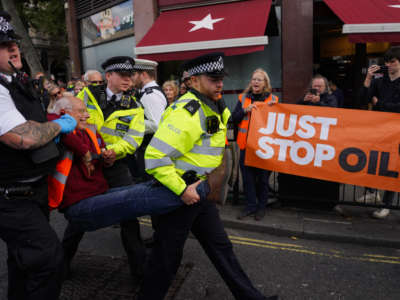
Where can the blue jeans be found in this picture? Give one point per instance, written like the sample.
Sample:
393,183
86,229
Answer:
124,203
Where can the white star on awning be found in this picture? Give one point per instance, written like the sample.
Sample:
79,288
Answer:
395,6
207,23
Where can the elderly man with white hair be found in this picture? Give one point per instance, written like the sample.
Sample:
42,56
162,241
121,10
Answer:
93,77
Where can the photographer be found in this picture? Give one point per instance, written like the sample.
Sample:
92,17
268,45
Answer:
382,89
27,155
319,93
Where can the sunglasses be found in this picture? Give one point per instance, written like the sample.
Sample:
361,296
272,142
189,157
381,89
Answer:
96,82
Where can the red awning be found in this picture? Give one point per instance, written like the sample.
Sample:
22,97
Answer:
369,21
233,28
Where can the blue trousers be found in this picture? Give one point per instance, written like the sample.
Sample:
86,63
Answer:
255,184
171,233
122,204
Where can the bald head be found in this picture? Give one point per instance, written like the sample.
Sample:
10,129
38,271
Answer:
74,107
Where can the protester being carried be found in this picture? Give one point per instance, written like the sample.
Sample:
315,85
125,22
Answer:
87,202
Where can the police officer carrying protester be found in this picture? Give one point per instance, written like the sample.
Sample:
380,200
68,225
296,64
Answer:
27,155
189,144
115,113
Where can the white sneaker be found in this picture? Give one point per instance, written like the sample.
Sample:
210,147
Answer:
381,213
370,198
338,208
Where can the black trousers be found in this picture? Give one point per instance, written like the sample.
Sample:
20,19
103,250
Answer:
116,176
170,236
35,256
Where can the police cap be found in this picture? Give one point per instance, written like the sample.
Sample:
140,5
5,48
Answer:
211,64
119,64
7,33
144,64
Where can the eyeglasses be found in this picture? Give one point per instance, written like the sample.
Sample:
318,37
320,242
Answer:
55,94
96,82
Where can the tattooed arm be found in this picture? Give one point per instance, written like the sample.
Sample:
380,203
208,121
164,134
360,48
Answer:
30,135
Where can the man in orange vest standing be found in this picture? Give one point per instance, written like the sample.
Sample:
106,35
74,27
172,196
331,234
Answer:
255,180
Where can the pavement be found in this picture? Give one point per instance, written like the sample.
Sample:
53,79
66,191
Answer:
354,225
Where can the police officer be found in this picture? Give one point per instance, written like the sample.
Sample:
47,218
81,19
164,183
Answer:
27,155
120,121
154,103
188,144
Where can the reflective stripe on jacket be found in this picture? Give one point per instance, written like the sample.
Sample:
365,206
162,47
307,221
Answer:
182,143
122,131
243,126
58,179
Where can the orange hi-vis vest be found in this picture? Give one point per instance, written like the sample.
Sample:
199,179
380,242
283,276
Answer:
58,179
244,124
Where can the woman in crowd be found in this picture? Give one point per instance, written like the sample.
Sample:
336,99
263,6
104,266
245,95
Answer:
79,85
255,180
170,90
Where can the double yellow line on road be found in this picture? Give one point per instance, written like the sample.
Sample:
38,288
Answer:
373,258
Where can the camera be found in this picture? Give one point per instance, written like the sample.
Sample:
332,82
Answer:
383,69
313,92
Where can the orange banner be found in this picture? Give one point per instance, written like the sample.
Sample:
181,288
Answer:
343,145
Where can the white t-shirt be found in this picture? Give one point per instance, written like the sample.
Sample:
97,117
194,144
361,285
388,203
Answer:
10,117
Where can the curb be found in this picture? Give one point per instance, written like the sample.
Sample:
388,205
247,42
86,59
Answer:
286,232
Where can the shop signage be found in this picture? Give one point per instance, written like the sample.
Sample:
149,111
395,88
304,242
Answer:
112,23
342,145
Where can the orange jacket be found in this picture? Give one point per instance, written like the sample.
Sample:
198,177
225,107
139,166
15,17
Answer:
57,180
244,124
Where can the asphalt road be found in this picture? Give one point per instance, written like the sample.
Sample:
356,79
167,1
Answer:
290,267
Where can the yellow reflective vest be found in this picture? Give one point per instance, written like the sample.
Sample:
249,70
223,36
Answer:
122,131
184,141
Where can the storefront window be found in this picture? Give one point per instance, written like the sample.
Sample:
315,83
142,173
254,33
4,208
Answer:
110,24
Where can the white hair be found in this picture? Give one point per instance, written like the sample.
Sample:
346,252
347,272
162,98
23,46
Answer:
90,73
62,104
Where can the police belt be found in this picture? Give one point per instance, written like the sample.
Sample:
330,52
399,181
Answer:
9,192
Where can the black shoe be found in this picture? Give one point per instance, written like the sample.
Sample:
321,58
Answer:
260,214
245,213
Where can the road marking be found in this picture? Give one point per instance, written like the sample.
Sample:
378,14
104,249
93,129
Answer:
372,258
327,221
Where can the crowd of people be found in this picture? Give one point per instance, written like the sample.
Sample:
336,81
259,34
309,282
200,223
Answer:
106,150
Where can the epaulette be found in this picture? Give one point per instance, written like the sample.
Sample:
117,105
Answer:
192,107
148,90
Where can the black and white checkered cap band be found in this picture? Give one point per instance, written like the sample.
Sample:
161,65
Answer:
120,67
207,67
5,26
143,67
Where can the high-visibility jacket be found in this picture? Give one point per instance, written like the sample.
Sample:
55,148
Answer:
243,126
122,131
182,141
58,179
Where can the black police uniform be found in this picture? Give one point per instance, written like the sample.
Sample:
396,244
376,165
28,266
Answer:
35,257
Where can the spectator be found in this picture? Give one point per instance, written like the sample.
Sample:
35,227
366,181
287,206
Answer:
255,180
79,85
182,89
319,93
384,94
70,86
93,77
170,90
337,92
186,79
55,94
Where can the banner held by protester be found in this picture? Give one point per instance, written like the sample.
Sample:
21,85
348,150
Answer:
342,145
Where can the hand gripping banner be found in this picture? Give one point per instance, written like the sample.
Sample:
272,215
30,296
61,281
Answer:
342,145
